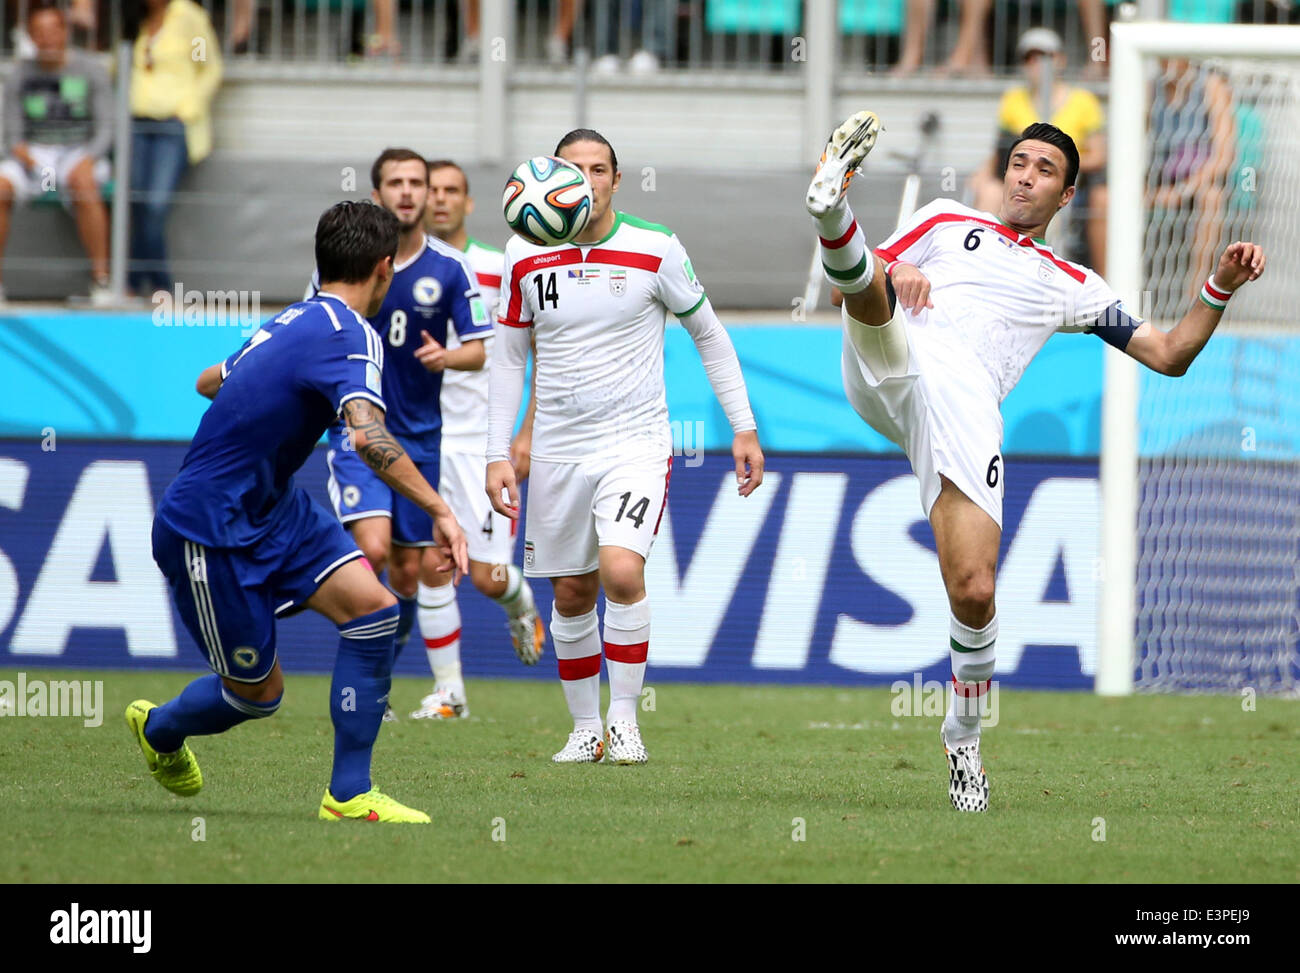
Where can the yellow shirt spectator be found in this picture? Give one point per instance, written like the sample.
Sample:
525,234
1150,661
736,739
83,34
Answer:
1079,117
176,72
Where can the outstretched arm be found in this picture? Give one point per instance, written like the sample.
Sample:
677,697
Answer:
209,382
383,454
1171,352
723,368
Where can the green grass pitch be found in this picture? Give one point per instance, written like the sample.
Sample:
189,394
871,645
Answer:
1186,789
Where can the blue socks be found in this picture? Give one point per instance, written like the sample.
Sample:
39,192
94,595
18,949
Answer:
358,695
204,707
405,622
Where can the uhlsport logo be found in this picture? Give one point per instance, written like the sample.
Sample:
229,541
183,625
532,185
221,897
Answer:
75,926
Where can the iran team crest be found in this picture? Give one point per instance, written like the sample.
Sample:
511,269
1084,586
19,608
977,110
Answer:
1046,271
618,282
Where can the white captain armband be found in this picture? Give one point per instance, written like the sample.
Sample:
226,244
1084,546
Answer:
1115,326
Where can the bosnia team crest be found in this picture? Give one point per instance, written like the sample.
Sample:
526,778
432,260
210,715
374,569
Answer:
618,282
245,656
427,290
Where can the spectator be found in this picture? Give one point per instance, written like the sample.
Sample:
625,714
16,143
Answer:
176,69
970,54
58,117
1193,147
648,20
1076,111
557,41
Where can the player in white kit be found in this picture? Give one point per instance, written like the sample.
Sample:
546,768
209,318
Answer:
464,400
939,325
601,445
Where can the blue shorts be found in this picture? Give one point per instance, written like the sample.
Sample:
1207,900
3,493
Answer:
229,597
357,492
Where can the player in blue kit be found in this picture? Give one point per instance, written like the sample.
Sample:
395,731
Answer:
433,290
240,544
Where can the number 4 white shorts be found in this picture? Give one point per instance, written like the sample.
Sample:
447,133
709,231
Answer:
491,536
574,509
948,424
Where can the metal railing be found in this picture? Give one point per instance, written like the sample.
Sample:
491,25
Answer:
642,36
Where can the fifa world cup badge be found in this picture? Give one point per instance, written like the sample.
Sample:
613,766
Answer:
618,282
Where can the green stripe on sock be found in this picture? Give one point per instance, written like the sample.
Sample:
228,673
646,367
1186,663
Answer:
958,647
853,273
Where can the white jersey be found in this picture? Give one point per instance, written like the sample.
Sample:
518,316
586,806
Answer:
998,295
465,394
598,313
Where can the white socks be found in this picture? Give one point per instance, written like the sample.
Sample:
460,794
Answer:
439,616
518,596
627,641
577,654
973,659
845,258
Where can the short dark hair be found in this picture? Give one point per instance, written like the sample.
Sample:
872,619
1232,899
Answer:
351,237
1045,132
395,155
436,164
588,135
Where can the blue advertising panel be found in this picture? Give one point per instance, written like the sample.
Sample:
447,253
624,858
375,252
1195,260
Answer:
826,575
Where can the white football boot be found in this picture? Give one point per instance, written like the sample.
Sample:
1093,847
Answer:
968,786
848,146
442,704
625,746
583,747
527,632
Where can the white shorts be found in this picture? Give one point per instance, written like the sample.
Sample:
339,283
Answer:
491,536
54,165
946,424
574,509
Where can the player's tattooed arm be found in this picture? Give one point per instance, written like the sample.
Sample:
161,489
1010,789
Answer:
382,453
370,437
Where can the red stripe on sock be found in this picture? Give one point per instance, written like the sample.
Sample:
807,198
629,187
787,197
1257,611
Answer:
969,689
632,654
842,240
583,668
442,641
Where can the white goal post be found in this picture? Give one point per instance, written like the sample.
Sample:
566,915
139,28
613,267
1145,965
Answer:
1133,45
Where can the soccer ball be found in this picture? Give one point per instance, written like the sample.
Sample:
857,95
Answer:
547,201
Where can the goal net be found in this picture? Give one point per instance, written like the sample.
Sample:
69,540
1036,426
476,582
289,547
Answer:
1208,470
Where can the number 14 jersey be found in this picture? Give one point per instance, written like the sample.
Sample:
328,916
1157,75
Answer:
598,313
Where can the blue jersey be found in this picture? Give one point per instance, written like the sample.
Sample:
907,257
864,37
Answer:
279,393
431,292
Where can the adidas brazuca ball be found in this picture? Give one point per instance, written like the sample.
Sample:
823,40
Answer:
547,201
